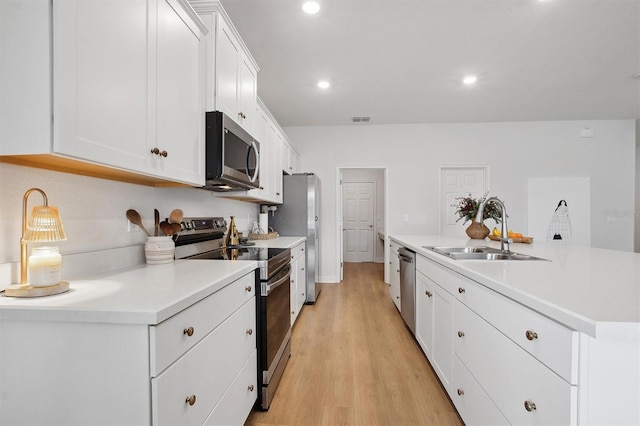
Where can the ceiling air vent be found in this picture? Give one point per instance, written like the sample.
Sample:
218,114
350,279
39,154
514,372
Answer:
361,119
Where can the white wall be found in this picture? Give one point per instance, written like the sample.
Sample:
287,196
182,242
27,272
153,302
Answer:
93,210
636,213
377,176
514,152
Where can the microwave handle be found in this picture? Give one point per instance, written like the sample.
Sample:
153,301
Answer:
253,147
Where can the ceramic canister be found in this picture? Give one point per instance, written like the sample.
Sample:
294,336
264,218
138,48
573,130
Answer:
159,250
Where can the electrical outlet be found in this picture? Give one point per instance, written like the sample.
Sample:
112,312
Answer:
132,227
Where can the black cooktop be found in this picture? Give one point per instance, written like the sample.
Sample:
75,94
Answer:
242,253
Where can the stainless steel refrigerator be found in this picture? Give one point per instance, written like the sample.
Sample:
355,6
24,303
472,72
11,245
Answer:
298,216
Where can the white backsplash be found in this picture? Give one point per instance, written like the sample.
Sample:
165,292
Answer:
93,214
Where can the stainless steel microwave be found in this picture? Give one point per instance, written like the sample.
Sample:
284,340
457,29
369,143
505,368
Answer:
232,155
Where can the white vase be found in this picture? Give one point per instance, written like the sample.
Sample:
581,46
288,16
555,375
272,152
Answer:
159,250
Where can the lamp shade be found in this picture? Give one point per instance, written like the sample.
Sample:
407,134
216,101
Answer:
44,225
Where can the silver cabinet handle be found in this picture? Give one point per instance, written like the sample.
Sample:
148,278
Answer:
249,332
428,293
529,405
248,288
460,333
460,392
461,290
531,335
250,388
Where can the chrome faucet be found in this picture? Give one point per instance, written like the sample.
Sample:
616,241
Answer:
504,238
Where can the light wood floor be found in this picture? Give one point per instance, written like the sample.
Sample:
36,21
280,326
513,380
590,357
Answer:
353,362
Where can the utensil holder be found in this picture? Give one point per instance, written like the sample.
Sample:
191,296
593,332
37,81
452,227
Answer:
159,250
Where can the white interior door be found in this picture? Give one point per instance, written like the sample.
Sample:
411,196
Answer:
358,203
459,182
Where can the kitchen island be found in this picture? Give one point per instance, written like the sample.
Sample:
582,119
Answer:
508,338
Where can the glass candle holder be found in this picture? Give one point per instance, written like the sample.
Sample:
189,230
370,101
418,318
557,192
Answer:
44,266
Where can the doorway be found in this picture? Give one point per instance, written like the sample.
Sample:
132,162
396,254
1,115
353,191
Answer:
361,215
459,181
358,212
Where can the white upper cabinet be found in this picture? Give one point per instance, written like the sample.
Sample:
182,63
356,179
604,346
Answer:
289,158
231,70
126,93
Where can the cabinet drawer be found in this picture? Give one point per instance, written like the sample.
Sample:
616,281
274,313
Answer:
205,372
236,404
511,377
442,276
471,401
297,252
553,344
174,337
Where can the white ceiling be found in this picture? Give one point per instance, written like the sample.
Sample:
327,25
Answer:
402,61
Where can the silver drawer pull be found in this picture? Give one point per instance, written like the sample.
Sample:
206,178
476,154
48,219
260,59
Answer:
248,288
249,332
460,392
529,406
428,293
188,332
460,290
531,335
250,388
190,400
460,333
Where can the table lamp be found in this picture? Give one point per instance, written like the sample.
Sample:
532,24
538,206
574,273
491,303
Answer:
44,225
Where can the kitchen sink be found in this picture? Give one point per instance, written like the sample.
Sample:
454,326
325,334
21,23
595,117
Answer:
480,253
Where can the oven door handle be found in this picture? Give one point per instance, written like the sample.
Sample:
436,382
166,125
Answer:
271,287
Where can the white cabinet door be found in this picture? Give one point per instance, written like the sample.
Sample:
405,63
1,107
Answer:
276,156
180,98
442,359
424,314
101,82
394,274
226,70
247,94
236,77
293,302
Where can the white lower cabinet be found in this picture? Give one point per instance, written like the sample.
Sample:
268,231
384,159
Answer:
298,280
500,361
394,273
239,398
191,387
524,389
471,401
198,365
424,313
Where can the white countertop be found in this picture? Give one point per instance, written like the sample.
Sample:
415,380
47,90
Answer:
280,242
586,289
145,294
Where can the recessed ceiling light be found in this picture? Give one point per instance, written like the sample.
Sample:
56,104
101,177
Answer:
469,80
324,84
311,7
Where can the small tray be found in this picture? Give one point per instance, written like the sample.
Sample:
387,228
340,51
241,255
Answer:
524,240
18,290
269,236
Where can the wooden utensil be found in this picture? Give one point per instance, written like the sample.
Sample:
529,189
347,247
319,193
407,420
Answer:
166,228
156,222
134,217
176,228
176,216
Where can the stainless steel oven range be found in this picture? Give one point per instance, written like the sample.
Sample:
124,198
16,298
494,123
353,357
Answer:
201,238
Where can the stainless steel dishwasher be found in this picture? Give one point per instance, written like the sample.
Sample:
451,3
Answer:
408,287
